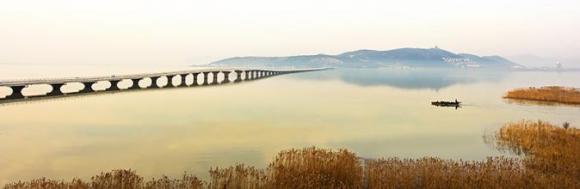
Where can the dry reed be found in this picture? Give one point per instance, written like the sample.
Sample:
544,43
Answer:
547,148
497,172
305,168
315,168
117,179
550,160
238,176
546,94
45,183
186,181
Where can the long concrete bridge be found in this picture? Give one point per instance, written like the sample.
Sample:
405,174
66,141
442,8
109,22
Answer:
57,83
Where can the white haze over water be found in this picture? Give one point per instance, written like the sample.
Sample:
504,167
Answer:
184,32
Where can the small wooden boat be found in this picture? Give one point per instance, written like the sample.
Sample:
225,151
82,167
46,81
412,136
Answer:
446,103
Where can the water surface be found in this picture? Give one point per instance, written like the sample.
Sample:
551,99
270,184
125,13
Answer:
374,113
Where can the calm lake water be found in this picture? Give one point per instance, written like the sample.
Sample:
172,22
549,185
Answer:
372,112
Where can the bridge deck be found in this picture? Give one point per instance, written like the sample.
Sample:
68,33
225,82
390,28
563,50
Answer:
131,76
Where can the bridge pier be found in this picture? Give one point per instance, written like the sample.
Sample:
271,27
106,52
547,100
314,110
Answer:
238,75
194,79
247,76
16,92
215,77
183,82
114,85
135,84
154,82
226,76
56,89
170,80
88,87
205,76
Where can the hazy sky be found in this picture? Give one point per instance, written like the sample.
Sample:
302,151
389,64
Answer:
195,32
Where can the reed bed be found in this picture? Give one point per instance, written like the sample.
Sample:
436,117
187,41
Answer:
239,176
44,183
496,172
546,94
550,159
546,147
315,168
305,168
115,179
186,181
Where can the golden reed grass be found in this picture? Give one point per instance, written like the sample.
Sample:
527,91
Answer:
315,168
546,94
547,148
116,179
550,160
305,168
239,176
497,172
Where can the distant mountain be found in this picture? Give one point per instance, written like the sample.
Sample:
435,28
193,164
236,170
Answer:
403,57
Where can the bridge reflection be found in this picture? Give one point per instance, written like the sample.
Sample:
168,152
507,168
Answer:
208,77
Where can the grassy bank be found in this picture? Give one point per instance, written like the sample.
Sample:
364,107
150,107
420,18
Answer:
549,159
546,94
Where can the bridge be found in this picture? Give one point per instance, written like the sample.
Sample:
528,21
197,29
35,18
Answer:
204,74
